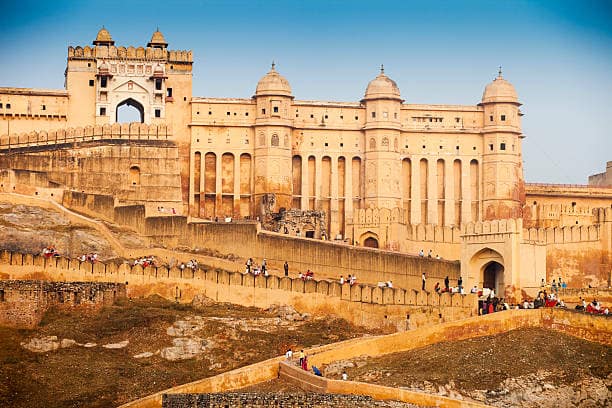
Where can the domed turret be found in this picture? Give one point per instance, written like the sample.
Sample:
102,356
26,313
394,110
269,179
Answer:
382,87
157,40
273,83
499,90
103,38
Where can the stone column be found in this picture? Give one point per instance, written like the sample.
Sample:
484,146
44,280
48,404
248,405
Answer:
236,185
334,228
432,191
449,193
218,183
415,186
305,192
466,195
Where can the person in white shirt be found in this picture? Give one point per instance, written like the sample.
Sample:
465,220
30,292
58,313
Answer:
525,305
474,289
344,376
341,280
390,284
289,355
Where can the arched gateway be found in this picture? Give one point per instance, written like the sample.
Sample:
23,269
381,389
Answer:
487,265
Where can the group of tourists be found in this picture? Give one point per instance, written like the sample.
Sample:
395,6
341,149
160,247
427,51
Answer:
50,251
252,268
145,261
594,307
448,289
350,280
303,363
429,254
309,275
91,257
191,264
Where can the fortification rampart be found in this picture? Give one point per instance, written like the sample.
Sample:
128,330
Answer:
363,304
126,132
588,327
24,302
129,53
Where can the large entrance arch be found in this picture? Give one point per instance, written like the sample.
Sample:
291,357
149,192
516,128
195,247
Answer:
493,276
487,266
369,239
129,115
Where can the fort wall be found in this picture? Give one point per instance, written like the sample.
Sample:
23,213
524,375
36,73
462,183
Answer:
361,304
24,302
584,326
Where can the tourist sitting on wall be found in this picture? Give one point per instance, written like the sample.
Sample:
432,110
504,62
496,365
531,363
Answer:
341,279
301,276
353,280
437,287
390,284
256,270
316,371
381,284
474,289
309,275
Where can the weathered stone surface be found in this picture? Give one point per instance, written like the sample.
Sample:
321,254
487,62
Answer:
119,345
42,344
146,354
184,348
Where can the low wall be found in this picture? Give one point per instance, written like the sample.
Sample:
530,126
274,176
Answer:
24,302
370,306
310,382
587,327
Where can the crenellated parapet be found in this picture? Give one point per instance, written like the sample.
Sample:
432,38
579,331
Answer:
365,217
129,53
116,131
563,235
602,215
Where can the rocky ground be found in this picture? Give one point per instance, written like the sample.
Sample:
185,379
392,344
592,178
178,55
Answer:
139,347
521,368
30,229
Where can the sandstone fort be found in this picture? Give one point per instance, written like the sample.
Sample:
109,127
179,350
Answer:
396,193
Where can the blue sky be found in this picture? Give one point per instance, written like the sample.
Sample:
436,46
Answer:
558,54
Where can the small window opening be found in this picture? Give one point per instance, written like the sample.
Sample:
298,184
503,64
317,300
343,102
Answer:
8,106
491,118
423,146
134,175
169,92
457,120
457,147
474,148
325,116
102,111
44,107
246,113
502,146
311,116
341,144
158,84
503,117
341,117
158,113
89,65
210,112
91,82
0,106
373,114
275,109
103,82
326,144
263,111
395,115
227,113
356,117
491,147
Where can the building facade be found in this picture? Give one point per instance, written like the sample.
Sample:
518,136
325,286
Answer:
380,172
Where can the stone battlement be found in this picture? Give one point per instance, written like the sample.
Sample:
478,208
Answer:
129,53
124,131
23,302
562,235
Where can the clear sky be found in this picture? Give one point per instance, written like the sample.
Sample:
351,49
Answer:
558,55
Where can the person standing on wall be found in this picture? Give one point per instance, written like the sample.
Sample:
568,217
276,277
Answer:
423,281
286,267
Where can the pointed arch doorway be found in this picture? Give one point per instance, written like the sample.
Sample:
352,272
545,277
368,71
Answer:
130,110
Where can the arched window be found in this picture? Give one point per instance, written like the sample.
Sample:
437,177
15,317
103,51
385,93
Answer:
274,141
385,142
372,143
130,110
134,176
